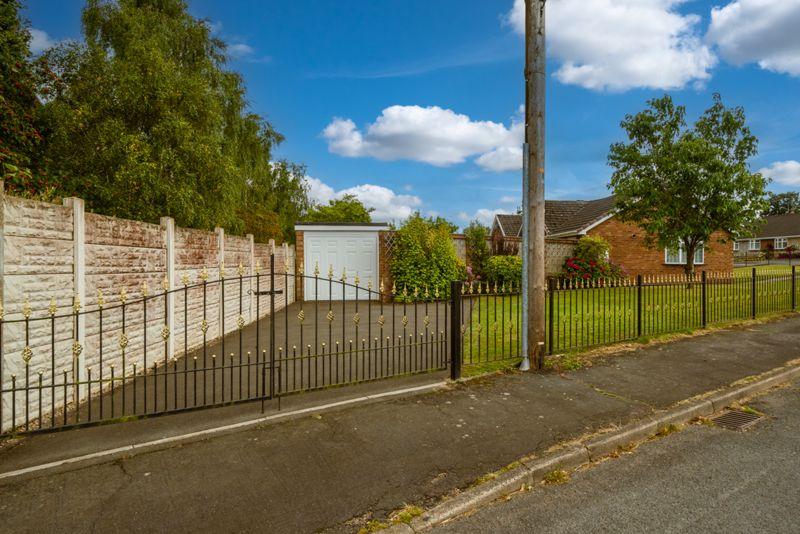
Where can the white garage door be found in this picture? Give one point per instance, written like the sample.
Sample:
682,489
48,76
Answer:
354,251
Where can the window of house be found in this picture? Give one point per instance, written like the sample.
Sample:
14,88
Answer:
754,244
736,246
677,256
781,243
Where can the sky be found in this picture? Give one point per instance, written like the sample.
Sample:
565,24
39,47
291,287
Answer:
417,105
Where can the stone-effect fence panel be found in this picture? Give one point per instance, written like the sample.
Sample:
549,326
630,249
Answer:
53,257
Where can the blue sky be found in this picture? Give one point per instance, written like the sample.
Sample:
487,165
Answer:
415,104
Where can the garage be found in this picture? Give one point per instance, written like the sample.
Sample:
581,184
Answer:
352,248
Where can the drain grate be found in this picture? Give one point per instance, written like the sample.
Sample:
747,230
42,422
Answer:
736,420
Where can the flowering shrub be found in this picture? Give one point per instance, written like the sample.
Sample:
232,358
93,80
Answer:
579,268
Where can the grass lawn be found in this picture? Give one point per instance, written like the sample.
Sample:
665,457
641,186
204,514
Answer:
763,269
596,316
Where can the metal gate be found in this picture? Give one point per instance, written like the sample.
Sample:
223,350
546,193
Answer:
234,339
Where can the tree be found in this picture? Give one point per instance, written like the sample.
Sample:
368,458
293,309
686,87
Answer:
342,210
144,121
783,203
20,131
682,184
478,254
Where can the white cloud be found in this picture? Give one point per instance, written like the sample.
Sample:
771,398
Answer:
758,31
240,50
509,199
783,172
388,205
501,159
431,135
484,216
621,44
40,41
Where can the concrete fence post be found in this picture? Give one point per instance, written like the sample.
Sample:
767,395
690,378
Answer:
79,281
251,272
168,224
220,261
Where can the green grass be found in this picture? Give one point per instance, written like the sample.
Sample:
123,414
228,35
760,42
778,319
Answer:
763,269
602,315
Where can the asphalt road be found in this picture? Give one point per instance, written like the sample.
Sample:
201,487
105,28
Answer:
702,479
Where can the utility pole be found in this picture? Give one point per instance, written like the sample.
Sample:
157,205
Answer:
533,260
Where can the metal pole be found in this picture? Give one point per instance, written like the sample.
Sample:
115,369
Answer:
533,192
455,330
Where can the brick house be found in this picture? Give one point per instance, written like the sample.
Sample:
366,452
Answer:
572,219
778,233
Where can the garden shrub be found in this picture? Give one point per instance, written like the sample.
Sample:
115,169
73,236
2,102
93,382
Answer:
592,248
423,256
590,261
504,270
475,236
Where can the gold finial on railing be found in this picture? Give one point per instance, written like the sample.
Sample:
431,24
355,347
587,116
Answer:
316,268
204,326
436,292
100,298
165,284
258,266
381,287
426,294
123,295
301,316
464,289
203,275
240,322
123,341
330,271
405,321
185,279
240,269
356,318
416,293
330,316
165,332
52,307
381,320
356,280
286,269
344,275
26,308
405,292
369,284
76,303
426,321
222,270
145,290
76,349
394,288
300,269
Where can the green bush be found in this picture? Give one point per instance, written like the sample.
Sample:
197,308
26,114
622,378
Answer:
423,256
504,270
591,248
475,236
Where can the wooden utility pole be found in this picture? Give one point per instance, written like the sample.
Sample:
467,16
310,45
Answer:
533,190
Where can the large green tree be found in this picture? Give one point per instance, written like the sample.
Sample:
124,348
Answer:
681,184
145,120
342,210
783,203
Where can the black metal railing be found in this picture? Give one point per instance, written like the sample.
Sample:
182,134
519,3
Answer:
246,338
211,343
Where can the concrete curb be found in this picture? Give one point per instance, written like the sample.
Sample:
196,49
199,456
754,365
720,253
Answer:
532,471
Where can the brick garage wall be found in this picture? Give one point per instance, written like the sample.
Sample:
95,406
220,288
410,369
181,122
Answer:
629,250
40,259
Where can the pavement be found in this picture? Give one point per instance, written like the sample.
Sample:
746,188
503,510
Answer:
702,479
334,470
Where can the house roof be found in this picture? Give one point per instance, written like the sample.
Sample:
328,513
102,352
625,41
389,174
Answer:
562,216
780,226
